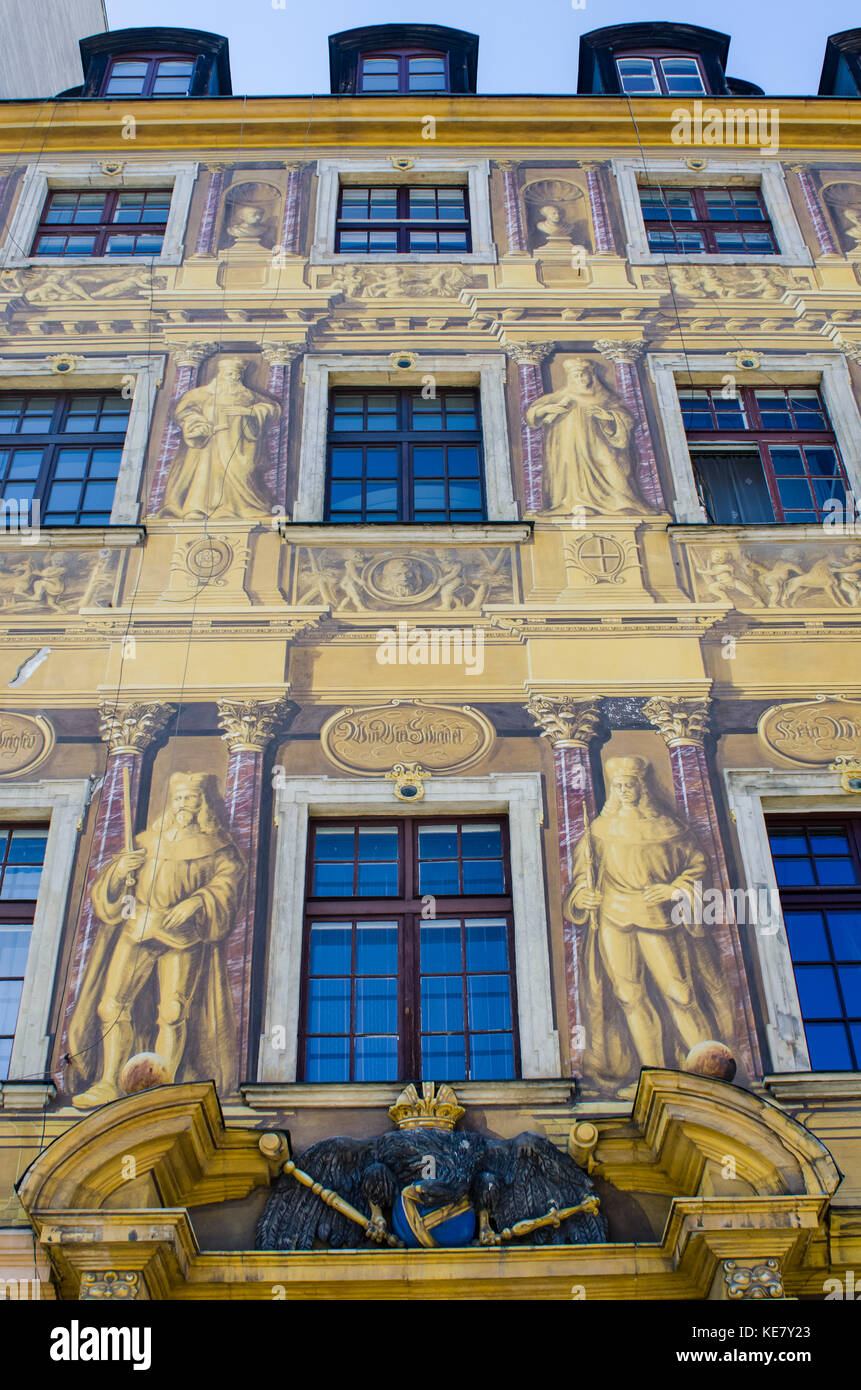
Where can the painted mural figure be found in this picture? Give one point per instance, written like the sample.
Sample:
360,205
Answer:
156,978
651,989
224,426
588,435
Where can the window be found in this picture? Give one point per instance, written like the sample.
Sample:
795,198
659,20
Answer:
721,221
390,993
401,220
65,450
660,75
22,854
145,75
778,460
403,70
125,223
817,863
396,456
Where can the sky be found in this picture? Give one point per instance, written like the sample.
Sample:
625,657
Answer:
526,45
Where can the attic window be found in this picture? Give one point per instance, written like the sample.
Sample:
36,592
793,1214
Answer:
403,70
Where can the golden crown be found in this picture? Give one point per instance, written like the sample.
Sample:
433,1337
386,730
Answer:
435,1109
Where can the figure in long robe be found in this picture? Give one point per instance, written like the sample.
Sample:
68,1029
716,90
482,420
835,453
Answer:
588,455
651,987
223,426
156,979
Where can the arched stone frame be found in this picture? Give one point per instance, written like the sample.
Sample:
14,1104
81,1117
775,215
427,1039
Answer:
826,370
486,370
764,174
518,795
42,178
62,804
752,793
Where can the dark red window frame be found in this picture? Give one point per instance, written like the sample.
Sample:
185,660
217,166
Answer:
764,440
816,899
24,479
15,911
402,224
655,55
107,227
153,61
403,56
707,226
408,908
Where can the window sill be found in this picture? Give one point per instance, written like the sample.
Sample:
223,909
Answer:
813,1087
337,1095
75,538
440,532
719,532
695,258
78,262
404,258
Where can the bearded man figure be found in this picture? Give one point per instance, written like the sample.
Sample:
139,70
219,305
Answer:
651,987
188,878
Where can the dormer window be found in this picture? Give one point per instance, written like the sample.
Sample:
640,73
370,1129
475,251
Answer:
403,71
148,75
658,74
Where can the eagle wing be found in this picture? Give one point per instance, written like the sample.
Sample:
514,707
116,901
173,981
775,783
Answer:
294,1216
532,1176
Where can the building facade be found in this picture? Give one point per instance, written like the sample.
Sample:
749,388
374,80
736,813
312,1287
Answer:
431,586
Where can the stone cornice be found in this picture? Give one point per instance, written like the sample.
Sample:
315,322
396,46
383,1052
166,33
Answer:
578,122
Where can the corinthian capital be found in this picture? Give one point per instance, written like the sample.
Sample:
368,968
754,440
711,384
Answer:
132,728
528,354
620,349
680,721
191,354
281,354
249,725
568,723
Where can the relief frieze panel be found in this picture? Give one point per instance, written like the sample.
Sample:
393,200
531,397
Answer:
401,578
57,581
37,287
399,282
755,576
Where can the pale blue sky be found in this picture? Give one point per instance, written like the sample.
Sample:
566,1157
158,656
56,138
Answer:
526,45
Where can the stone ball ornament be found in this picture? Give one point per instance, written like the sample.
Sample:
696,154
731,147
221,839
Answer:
711,1059
143,1071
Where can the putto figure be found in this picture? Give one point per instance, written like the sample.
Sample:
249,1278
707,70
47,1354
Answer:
168,906
651,988
588,433
223,427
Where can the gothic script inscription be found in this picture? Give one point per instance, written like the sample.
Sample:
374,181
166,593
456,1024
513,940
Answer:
441,738
813,732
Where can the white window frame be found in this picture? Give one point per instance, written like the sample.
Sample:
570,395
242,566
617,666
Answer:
43,178
764,174
473,174
93,373
297,799
485,370
752,793
828,371
63,804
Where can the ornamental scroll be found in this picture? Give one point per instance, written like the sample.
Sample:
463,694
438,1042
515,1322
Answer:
441,738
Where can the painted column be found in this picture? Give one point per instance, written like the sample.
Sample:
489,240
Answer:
280,357
289,239
249,726
683,723
570,726
187,360
600,216
808,189
514,224
128,730
625,355
529,357
205,244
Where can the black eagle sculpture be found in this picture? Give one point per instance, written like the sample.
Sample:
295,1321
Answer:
424,1185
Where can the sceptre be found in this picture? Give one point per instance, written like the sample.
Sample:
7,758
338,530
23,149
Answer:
127,821
589,855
